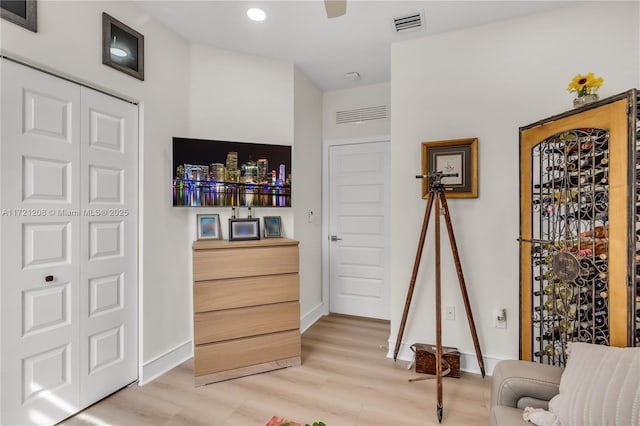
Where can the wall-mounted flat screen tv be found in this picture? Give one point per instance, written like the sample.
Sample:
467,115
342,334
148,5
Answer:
210,173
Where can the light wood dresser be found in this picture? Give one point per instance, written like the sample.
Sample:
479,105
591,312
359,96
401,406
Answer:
246,310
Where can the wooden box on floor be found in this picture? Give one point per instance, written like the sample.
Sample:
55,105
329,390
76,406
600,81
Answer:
426,359
246,307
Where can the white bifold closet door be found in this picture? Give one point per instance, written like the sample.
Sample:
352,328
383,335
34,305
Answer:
69,253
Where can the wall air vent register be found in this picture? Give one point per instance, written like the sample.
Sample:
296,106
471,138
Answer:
359,115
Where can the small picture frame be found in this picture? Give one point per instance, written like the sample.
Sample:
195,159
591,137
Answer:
452,156
244,229
272,226
21,12
122,47
209,227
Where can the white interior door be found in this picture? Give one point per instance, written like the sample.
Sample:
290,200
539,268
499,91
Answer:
108,243
68,318
40,249
359,229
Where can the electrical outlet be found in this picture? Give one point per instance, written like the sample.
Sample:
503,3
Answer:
450,312
500,318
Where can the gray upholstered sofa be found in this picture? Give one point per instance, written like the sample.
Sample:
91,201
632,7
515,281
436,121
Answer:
600,385
519,384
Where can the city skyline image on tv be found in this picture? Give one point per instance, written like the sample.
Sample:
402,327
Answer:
213,173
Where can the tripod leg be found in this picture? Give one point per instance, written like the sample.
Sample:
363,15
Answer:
463,286
414,274
438,312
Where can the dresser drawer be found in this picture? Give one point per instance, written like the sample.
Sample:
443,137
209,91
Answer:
244,262
215,357
242,322
241,292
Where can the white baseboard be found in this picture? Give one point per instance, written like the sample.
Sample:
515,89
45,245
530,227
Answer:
155,368
311,317
468,361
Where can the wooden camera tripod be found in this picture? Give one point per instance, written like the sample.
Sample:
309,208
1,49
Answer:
437,193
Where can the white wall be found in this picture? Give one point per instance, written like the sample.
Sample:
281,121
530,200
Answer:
307,193
243,98
347,99
486,82
69,42
247,98
236,96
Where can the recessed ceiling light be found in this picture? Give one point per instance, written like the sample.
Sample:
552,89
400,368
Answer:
256,14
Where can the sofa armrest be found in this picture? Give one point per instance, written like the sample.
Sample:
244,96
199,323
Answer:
523,383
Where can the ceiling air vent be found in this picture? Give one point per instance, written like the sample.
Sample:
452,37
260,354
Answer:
408,22
361,114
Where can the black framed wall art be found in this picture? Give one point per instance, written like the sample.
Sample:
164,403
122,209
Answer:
20,12
244,229
122,47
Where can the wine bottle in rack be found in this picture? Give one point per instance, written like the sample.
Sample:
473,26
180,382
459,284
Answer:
547,290
595,272
552,150
599,303
589,161
555,183
566,326
599,177
558,167
575,179
600,285
545,200
585,314
573,148
600,319
557,334
600,231
546,278
556,305
594,194
549,350
597,210
564,292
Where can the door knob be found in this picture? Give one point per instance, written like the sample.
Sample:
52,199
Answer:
48,278
335,238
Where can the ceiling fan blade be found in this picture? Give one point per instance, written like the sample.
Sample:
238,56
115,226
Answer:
335,8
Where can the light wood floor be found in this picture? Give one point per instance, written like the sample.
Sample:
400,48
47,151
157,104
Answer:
345,379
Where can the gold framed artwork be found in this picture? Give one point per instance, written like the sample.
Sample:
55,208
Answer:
452,156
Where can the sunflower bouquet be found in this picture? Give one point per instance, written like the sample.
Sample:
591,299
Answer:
585,85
